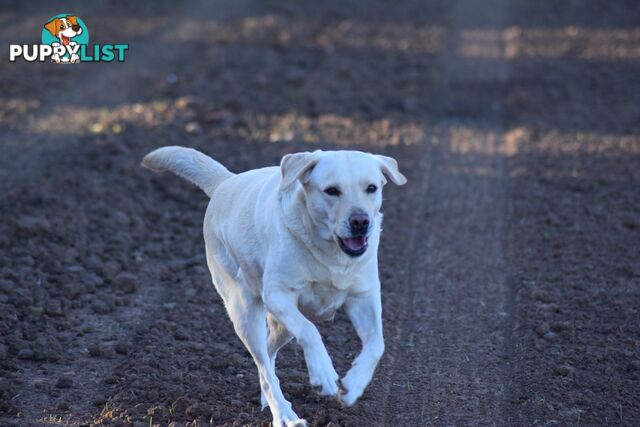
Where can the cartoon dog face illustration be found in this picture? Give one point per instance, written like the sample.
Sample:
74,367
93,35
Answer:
64,28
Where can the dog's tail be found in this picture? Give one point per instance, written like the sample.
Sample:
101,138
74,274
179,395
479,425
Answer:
189,164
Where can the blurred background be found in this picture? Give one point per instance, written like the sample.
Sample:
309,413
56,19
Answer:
509,262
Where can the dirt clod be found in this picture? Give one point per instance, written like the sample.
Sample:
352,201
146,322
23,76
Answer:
99,400
198,411
564,370
54,308
121,348
100,306
125,282
64,382
95,350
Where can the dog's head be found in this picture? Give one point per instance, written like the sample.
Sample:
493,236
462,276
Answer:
64,28
343,192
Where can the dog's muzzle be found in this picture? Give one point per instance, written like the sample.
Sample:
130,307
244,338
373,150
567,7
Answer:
354,246
357,244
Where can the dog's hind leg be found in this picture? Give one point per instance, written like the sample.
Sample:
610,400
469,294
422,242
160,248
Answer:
278,338
249,319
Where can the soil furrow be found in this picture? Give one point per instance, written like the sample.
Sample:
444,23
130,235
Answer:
454,340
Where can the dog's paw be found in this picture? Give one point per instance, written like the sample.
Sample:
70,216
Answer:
353,387
325,378
349,398
288,418
297,423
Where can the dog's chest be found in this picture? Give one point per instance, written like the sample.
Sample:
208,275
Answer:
320,301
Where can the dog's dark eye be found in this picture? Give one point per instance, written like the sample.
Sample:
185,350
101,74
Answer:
332,191
372,189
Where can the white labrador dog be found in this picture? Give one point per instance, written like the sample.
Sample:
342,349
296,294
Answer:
292,244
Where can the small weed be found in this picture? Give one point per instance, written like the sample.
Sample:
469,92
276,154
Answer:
620,411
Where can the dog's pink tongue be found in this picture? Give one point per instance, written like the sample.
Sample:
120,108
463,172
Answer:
355,243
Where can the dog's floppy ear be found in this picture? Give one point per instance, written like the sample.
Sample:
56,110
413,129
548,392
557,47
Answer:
73,19
297,166
53,26
389,167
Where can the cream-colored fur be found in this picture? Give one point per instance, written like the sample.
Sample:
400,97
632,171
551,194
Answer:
275,241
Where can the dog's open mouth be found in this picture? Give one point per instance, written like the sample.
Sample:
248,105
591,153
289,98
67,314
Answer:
354,246
65,39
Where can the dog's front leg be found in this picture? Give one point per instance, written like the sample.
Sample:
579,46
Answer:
283,305
74,57
55,57
365,312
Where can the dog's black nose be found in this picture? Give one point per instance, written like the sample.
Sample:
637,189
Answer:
75,28
359,224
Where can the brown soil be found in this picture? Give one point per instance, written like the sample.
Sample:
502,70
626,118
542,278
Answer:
510,262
